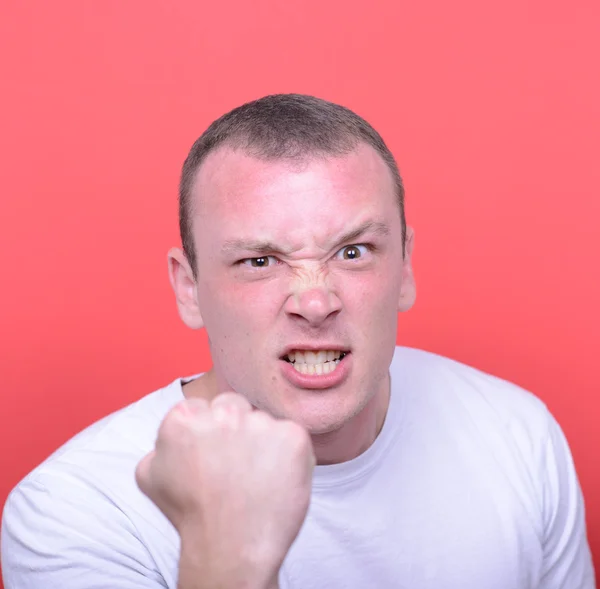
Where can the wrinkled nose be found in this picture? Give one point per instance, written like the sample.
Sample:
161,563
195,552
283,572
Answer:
314,305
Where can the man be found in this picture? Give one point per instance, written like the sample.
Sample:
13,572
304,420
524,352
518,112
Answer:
429,474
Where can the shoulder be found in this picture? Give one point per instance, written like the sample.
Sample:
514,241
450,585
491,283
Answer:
494,417
79,515
456,386
104,451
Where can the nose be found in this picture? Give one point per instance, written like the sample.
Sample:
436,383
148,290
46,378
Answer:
314,305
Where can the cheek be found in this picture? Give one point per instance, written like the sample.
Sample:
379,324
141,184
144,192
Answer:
373,294
240,309
254,300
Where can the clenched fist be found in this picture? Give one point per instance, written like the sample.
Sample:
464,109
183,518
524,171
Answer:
236,485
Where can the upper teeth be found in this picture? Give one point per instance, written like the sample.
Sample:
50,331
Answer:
314,357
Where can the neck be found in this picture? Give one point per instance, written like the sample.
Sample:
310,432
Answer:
357,434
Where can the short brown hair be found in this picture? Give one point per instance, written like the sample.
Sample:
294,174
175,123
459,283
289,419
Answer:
281,126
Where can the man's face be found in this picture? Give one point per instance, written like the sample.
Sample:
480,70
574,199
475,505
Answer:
300,278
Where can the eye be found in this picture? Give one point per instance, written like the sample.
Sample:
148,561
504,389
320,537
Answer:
262,262
352,252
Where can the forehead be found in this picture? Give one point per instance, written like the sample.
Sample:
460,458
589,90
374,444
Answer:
299,202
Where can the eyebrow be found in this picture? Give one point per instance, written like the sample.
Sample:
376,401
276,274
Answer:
263,248
373,227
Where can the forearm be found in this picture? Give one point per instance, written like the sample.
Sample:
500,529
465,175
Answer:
198,569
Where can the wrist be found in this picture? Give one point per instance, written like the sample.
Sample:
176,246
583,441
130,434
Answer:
206,565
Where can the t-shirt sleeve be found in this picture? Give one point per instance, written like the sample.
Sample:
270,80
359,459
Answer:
58,533
567,558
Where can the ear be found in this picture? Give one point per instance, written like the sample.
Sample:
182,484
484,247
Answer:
408,290
185,288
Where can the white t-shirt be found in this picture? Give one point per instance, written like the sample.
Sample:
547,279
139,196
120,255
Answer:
470,485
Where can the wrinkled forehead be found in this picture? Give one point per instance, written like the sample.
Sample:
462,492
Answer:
295,200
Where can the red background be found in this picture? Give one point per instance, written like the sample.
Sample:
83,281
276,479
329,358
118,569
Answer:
492,110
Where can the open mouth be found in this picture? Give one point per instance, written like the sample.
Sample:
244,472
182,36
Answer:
315,361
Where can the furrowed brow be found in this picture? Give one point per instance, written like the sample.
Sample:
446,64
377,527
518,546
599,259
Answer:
264,248
371,227
260,248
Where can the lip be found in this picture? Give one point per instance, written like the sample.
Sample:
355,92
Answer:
313,348
317,381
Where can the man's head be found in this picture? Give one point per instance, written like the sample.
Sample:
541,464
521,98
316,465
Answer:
294,239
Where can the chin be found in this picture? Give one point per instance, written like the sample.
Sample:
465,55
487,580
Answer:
323,416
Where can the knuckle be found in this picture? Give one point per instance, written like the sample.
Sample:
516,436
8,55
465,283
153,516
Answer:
186,409
228,410
260,421
295,436
171,425
231,401
186,419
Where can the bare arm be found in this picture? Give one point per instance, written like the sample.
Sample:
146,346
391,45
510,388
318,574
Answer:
207,572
